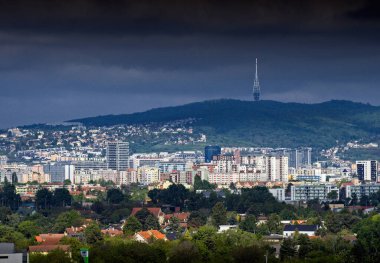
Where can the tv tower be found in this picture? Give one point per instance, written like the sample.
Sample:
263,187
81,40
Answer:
256,86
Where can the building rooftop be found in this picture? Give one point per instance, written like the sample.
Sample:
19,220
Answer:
7,248
300,227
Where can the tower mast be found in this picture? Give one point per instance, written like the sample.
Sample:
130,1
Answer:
256,86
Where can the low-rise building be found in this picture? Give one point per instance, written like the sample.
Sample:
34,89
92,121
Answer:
8,254
290,230
149,236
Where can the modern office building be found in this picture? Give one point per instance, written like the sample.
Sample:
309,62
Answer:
59,172
367,170
361,190
168,167
300,157
117,155
311,192
210,151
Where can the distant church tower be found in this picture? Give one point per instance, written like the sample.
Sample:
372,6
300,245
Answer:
256,86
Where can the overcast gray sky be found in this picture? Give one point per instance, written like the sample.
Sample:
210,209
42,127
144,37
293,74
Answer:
62,60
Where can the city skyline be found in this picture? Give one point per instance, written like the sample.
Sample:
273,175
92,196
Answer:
83,58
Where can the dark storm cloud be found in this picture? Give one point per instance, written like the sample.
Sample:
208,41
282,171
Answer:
181,17
68,59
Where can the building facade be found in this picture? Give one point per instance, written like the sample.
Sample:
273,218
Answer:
117,155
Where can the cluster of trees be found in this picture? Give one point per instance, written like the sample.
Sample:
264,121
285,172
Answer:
8,196
46,199
373,199
207,245
175,195
200,184
201,242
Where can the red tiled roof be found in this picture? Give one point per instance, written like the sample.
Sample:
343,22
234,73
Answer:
151,233
49,239
48,248
181,216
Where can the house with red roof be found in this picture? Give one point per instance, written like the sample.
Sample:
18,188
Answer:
182,217
49,242
149,236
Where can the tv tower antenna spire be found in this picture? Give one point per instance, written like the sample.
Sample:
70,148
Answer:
256,86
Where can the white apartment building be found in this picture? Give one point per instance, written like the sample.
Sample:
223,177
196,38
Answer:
277,168
148,175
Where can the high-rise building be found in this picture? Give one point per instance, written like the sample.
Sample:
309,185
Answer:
256,86
210,151
277,168
59,172
366,170
300,157
117,155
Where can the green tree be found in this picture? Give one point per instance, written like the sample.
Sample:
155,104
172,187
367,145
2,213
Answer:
305,245
175,195
151,222
354,199
55,256
336,222
93,234
115,196
288,249
249,224
29,228
367,247
9,235
142,215
205,239
119,214
61,197
67,182
14,178
13,220
185,252
154,195
197,219
8,196
43,199
67,219
98,207
333,195
198,183
75,246
132,225
174,224
219,215
274,224
251,254
4,213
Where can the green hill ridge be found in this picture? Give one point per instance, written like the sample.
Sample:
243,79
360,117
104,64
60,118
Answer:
263,123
